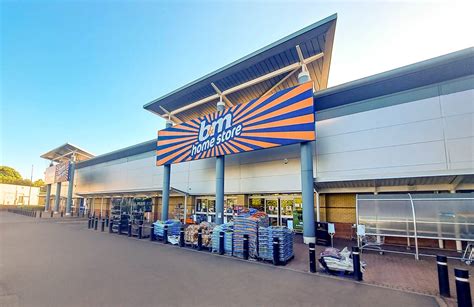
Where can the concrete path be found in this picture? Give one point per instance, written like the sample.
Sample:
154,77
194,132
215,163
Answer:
47,263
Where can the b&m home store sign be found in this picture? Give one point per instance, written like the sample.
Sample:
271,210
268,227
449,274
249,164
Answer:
284,118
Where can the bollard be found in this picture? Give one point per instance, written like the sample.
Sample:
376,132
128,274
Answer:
312,258
276,251
165,234
62,213
443,276
89,224
119,229
52,213
463,289
221,243
41,214
140,231
96,223
107,221
181,237
356,263
246,247
102,226
111,225
199,246
129,229
152,233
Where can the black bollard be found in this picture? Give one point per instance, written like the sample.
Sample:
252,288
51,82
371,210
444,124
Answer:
107,221
356,263
119,228
221,243
463,289
312,258
181,237
102,226
443,276
129,229
41,214
276,251
96,223
111,225
199,245
152,233
165,234
246,247
52,213
89,223
140,231
62,213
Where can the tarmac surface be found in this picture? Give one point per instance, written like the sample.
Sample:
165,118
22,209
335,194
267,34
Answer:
59,262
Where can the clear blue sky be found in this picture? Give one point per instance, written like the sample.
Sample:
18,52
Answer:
80,71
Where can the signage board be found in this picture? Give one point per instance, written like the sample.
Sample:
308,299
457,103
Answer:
62,172
284,118
49,174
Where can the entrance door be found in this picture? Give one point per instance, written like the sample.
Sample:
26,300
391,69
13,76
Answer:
286,210
271,208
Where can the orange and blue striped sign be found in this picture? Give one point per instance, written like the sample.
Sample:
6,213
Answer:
284,118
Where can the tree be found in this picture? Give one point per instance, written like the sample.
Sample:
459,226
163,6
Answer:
12,176
38,183
9,173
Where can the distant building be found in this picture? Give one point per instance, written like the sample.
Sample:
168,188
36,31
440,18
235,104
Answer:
19,195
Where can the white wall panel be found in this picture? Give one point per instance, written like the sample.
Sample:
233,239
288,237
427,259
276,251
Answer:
421,138
395,115
424,131
458,103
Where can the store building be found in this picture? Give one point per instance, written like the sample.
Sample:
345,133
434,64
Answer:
405,130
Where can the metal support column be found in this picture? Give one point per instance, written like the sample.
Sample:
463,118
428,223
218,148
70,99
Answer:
57,199
72,168
48,196
307,187
220,165
166,185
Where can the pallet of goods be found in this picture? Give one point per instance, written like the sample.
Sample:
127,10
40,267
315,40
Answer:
174,227
265,243
248,224
228,230
191,233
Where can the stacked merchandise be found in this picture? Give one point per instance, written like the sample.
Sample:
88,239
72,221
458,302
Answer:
228,242
118,215
173,228
191,233
228,230
248,223
336,261
265,242
206,228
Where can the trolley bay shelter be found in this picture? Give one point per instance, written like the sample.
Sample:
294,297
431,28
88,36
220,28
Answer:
408,130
